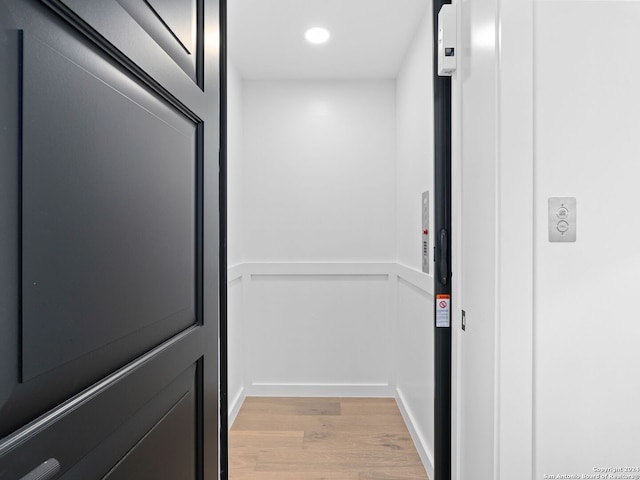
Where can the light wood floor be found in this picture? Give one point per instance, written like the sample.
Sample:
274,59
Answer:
322,439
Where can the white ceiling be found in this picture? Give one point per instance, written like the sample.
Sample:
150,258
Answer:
369,38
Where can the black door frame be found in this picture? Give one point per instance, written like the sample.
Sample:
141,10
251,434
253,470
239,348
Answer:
442,283
442,280
224,379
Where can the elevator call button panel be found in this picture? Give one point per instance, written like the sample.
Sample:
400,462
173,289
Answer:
562,217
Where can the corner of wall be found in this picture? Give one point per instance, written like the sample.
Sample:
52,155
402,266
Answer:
425,450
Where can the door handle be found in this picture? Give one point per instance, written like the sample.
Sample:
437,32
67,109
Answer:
444,257
47,471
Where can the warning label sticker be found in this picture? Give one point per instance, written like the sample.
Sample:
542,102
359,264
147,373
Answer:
443,311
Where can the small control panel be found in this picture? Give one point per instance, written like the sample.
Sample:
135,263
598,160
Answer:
447,38
425,232
562,219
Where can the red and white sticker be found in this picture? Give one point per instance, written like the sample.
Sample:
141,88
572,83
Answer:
443,311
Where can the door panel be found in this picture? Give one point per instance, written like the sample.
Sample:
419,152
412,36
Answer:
172,25
163,38
10,45
108,168
131,238
171,412
105,422
168,450
10,75
179,17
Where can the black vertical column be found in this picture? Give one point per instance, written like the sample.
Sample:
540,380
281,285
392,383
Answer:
224,379
442,280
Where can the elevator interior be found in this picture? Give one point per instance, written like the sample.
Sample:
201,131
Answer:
330,177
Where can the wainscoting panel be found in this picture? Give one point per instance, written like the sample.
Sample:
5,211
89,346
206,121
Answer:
414,358
324,325
334,330
235,340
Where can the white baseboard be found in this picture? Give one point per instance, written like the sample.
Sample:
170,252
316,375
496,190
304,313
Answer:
319,390
425,453
234,407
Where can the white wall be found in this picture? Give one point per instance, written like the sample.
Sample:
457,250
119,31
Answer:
319,169
318,185
476,275
414,305
414,97
493,261
586,320
564,330
235,166
319,330
235,190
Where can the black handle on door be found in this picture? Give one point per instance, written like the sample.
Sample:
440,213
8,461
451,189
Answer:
443,267
47,471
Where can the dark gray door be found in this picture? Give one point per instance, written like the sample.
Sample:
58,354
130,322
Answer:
109,239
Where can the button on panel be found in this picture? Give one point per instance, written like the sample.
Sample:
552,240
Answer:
562,226
562,213
562,219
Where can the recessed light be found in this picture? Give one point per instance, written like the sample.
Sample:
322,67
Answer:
317,35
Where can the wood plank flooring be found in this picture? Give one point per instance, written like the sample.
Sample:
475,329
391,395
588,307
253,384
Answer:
322,439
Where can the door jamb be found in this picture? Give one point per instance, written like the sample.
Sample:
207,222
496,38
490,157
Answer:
222,329
442,274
